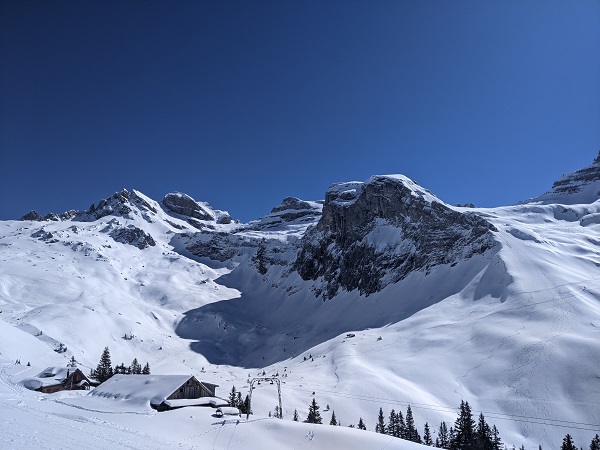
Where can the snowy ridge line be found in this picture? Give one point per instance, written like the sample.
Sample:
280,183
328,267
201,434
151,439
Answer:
441,408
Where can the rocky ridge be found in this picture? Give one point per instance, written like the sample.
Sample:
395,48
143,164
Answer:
581,186
375,233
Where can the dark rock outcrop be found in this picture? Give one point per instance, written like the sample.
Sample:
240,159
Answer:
185,205
376,233
581,186
133,236
32,215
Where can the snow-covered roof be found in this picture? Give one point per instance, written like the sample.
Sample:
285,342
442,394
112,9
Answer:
50,376
228,411
143,389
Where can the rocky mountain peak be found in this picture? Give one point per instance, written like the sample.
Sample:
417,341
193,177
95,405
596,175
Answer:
184,205
375,233
581,186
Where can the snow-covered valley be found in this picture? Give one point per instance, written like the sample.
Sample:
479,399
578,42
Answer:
380,296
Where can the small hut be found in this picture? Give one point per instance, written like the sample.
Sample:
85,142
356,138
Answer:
54,379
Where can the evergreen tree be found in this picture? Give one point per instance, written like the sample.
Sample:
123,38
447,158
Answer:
333,420
443,439
400,426
146,369
496,441
361,424
595,444
120,369
232,397
427,435
392,424
72,362
239,403
380,426
411,430
313,413
296,418
568,443
246,406
483,435
464,429
104,368
136,367
259,258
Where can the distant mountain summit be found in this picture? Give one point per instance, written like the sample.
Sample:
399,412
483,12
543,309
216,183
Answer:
579,187
376,233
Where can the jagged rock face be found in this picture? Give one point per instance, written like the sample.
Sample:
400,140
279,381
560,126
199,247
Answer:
33,215
186,206
375,233
574,182
293,208
133,236
581,186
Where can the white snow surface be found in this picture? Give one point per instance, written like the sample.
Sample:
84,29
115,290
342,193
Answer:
516,333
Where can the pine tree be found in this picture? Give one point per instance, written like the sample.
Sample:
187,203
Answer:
496,441
313,413
443,439
259,258
136,367
232,397
146,369
427,435
411,430
595,444
333,420
483,435
568,443
391,425
400,426
239,403
72,362
104,368
296,418
246,406
380,426
464,429
361,425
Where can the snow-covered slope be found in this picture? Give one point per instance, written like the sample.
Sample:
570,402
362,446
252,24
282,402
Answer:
380,296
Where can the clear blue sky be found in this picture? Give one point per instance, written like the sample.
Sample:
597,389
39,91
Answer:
242,103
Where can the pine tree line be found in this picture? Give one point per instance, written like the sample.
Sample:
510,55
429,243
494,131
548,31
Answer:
568,443
235,400
104,369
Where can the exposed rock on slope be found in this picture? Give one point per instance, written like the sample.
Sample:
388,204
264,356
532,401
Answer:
133,236
185,205
375,233
581,186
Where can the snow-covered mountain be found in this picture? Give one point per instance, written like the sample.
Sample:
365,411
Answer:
380,295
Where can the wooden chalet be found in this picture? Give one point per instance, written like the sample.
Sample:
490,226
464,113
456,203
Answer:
161,392
55,379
